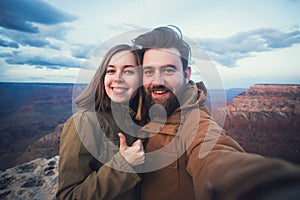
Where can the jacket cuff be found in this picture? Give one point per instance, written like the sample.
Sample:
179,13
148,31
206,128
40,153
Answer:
118,162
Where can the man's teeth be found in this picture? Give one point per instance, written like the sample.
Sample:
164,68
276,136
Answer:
159,91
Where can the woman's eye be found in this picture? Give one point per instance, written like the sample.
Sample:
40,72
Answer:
110,71
129,72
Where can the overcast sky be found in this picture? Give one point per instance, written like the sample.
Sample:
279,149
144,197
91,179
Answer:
248,42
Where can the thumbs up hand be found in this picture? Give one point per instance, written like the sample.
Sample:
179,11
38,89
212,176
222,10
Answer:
135,154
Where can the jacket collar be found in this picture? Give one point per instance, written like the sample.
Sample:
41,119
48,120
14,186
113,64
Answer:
193,97
121,109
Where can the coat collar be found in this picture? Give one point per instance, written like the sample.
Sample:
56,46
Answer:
194,98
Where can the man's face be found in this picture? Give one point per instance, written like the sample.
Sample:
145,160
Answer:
163,77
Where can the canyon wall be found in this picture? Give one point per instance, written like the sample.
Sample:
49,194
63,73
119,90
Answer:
265,119
29,111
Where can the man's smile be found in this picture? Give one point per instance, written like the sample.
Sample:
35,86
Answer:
159,91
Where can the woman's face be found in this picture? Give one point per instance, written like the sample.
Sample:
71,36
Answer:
121,77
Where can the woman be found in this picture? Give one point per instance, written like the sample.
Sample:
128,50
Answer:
91,164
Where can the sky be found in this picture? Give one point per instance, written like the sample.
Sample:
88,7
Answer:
247,42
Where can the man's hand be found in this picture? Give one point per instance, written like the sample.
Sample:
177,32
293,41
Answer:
135,154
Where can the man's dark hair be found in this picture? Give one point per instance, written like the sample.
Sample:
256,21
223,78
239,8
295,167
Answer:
165,37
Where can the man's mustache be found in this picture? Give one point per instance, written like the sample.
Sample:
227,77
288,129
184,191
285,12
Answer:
159,88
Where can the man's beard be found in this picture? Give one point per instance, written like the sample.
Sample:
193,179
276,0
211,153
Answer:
170,104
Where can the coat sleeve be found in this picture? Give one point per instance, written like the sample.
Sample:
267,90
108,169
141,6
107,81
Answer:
77,180
220,168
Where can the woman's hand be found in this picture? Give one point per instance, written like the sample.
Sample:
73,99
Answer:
135,154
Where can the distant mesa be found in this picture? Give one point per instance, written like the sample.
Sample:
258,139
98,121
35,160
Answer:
265,119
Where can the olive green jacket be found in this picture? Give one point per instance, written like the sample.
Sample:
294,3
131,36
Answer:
90,166
188,156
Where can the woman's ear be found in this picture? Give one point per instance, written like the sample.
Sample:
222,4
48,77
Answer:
187,74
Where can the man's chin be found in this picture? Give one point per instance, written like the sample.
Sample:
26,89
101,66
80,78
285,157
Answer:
161,101
169,103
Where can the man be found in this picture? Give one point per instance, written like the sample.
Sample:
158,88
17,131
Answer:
188,156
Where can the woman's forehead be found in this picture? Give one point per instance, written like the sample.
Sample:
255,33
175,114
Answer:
122,56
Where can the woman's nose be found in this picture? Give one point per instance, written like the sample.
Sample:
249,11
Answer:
118,76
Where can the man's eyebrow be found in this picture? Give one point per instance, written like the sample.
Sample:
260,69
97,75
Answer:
147,67
169,65
163,66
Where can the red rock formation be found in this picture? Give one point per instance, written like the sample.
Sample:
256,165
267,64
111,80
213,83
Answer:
265,119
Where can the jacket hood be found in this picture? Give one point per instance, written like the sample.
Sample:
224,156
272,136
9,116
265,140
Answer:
194,96
196,93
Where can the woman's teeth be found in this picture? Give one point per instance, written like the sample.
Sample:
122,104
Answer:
119,89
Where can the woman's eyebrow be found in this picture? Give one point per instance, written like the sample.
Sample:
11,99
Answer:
126,66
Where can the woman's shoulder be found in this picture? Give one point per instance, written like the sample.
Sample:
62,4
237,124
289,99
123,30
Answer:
93,118
86,115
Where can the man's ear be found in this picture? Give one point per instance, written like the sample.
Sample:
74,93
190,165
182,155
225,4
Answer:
187,74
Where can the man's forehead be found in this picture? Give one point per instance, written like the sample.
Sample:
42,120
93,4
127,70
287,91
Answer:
161,56
171,51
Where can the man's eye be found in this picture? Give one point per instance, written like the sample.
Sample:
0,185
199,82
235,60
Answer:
169,71
148,72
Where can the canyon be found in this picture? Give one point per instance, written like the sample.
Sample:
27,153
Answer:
28,112
265,119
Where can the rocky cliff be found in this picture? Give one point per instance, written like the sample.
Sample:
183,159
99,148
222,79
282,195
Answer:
265,119
32,180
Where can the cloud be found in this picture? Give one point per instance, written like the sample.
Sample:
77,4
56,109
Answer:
5,43
42,61
41,39
82,51
228,51
5,54
32,23
38,30
22,15
124,26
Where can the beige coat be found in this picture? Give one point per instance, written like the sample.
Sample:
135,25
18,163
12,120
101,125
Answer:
81,175
190,157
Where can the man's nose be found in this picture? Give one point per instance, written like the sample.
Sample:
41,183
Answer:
158,79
